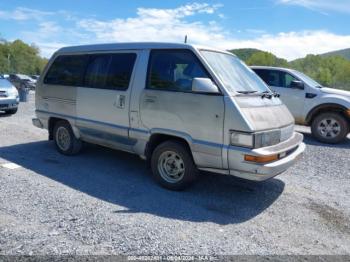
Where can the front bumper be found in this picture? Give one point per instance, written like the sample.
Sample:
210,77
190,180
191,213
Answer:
291,150
8,103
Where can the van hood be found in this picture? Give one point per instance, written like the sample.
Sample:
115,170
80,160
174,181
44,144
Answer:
265,114
334,91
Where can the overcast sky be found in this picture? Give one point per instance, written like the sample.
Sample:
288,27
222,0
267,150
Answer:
287,28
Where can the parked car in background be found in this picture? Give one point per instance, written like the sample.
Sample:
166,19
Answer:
179,106
9,98
4,76
21,81
326,110
35,77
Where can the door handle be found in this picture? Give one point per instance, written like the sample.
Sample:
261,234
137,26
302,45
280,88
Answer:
150,99
120,101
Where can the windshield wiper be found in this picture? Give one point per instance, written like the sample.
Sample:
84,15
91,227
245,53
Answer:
275,94
246,92
269,95
266,94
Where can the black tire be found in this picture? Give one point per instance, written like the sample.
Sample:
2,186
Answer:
190,171
327,137
73,146
11,111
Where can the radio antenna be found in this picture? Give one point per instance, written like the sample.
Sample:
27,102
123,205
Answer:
185,39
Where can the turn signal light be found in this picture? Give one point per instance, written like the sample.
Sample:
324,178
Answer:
260,159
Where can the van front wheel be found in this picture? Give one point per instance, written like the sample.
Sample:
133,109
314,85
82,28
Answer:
173,166
65,140
330,128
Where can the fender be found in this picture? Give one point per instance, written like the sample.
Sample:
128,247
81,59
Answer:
174,133
148,145
204,153
323,106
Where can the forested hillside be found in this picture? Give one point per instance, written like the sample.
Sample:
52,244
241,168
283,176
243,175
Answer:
343,53
328,70
245,53
19,57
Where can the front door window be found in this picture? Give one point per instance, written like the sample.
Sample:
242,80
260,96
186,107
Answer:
174,70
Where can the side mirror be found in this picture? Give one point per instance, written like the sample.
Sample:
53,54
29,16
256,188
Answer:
297,84
204,85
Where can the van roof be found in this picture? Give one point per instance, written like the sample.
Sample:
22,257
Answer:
132,45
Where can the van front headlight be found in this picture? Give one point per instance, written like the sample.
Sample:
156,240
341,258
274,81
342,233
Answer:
268,138
255,140
242,139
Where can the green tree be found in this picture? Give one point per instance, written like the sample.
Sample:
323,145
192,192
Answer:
341,78
332,71
4,58
19,57
244,53
267,59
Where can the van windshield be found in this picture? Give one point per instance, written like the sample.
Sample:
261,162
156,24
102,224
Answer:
235,75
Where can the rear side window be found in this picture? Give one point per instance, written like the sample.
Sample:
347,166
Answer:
97,71
275,78
110,71
270,77
67,70
173,70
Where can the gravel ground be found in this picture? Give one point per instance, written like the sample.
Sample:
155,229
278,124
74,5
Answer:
105,202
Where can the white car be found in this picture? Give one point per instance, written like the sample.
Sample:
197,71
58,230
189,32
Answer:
8,97
326,110
22,81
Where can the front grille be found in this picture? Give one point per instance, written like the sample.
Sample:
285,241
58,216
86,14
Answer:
3,94
3,105
287,132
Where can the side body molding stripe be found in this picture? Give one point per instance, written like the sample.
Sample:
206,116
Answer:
195,141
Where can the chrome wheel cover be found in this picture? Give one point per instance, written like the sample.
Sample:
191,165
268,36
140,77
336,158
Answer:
171,166
329,128
63,138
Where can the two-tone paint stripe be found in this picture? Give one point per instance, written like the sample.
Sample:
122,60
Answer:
195,141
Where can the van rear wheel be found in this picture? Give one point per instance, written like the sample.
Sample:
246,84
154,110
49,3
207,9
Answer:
65,140
330,128
172,166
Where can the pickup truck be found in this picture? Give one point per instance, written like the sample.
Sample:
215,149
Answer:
326,110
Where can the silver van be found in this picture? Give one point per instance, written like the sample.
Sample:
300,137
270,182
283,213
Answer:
184,108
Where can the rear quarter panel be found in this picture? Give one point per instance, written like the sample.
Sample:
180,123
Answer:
55,100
